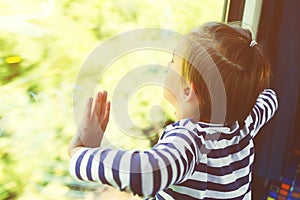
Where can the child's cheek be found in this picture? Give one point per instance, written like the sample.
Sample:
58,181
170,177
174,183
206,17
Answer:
171,89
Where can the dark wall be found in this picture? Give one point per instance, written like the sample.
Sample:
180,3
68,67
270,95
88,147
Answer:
279,32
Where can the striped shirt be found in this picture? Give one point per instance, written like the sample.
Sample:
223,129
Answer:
190,161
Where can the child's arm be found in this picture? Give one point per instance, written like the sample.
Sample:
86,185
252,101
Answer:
264,109
171,161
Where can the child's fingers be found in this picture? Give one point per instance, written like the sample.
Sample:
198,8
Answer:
103,106
98,105
106,116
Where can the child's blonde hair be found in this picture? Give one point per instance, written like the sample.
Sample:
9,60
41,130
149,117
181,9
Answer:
244,68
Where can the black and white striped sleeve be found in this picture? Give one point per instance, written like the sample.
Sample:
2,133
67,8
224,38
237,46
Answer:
171,161
264,109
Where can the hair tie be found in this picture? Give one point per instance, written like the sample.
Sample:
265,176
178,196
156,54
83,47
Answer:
252,43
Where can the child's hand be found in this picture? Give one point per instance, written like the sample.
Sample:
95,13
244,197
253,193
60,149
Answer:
93,125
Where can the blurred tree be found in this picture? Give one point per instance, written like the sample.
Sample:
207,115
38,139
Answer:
52,41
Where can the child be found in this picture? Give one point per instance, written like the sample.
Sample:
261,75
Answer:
206,154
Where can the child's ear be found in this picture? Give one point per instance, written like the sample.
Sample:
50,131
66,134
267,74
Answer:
189,92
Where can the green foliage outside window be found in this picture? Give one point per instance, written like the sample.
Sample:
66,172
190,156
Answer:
36,116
